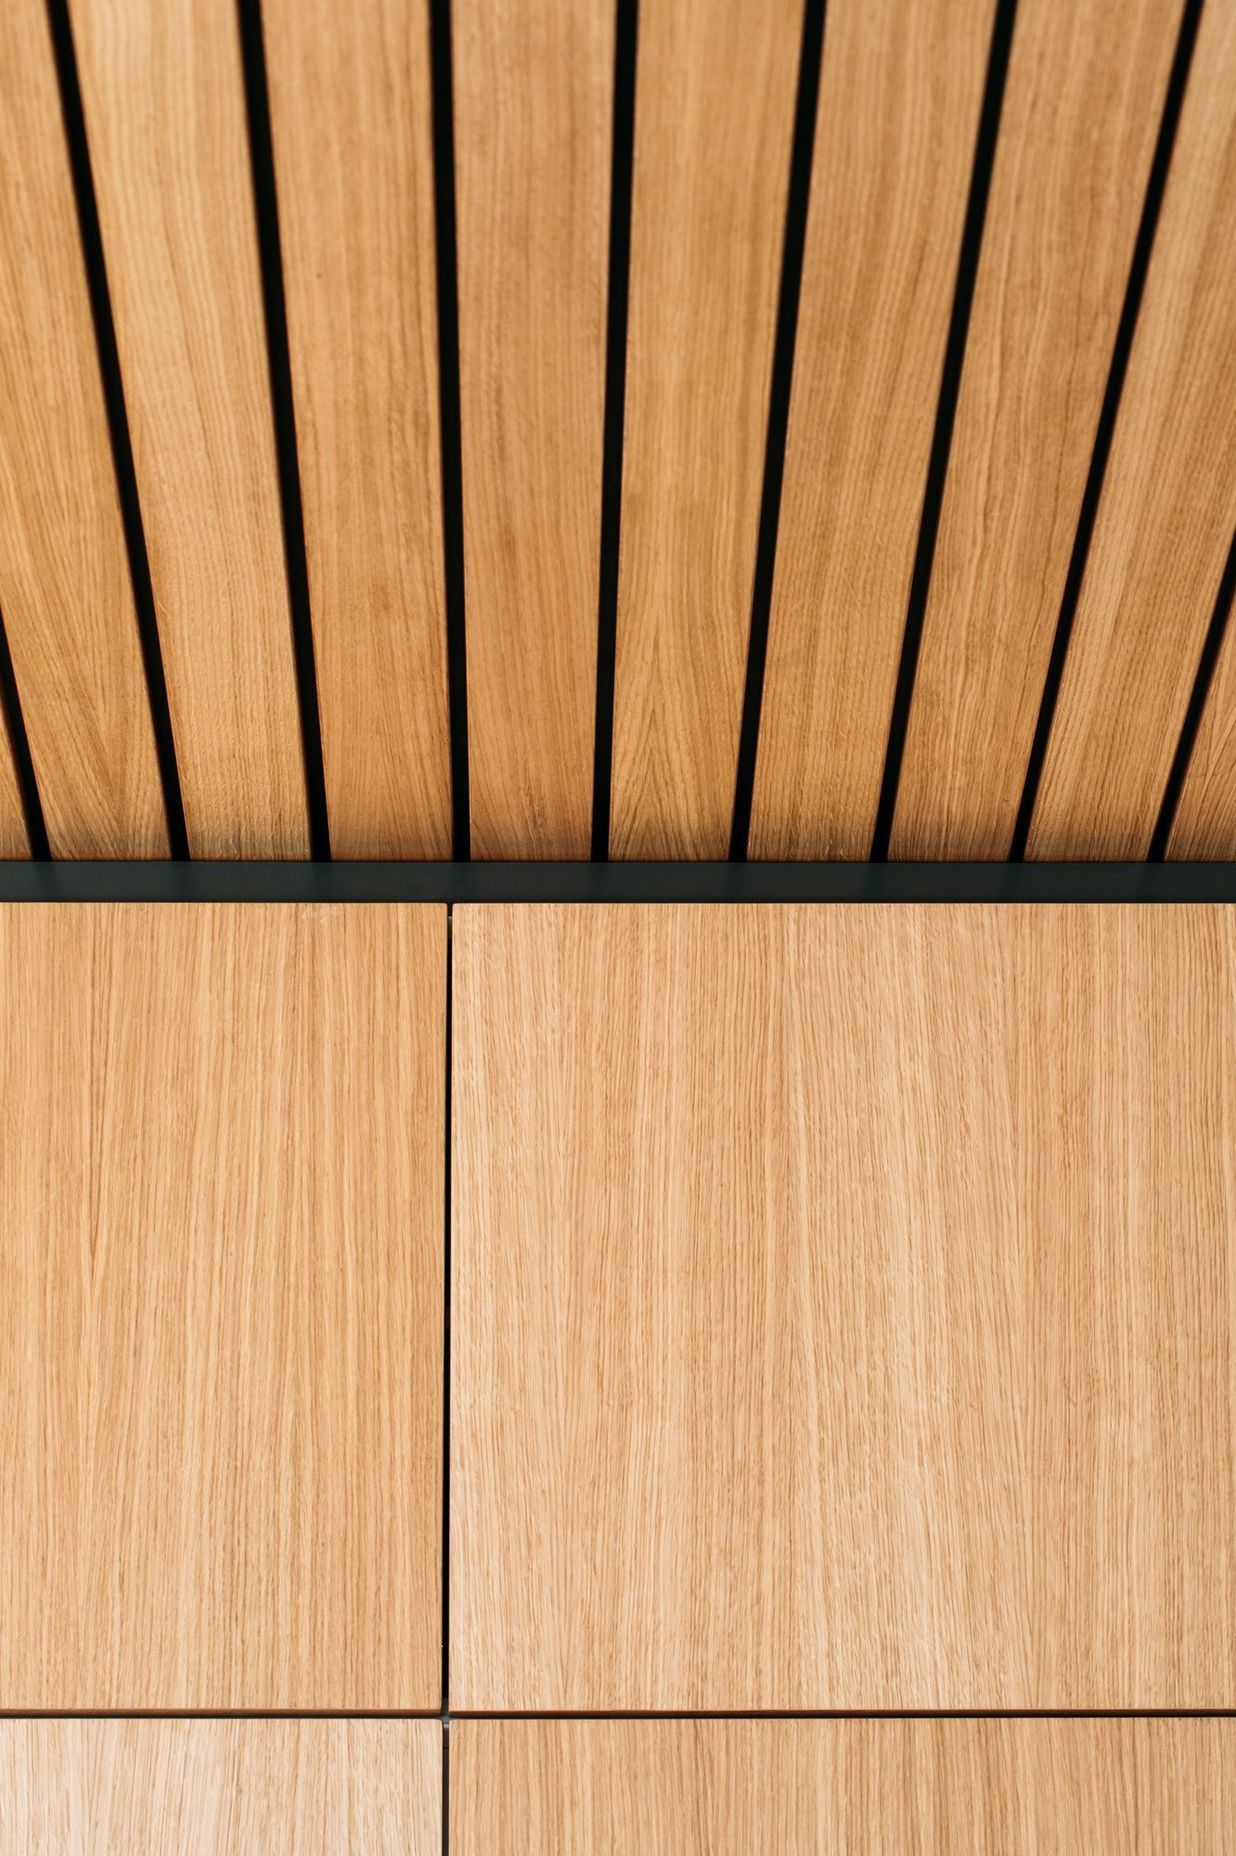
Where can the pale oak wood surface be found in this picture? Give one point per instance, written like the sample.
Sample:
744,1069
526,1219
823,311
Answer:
64,576
533,105
1205,822
220,1788
165,113
1169,503
352,126
14,842
900,93
221,1256
714,117
1058,239
844,1305
850,1788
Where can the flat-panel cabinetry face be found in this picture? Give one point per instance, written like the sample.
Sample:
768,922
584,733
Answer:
220,1788
844,1308
843,1788
221,1243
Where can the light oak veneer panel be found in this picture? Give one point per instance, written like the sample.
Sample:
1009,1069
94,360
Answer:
14,841
164,102
844,1308
64,576
1205,823
1169,503
714,117
221,1270
533,107
1063,214
351,120
900,94
853,1788
221,1788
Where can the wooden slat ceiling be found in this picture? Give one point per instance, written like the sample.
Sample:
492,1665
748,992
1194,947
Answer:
568,428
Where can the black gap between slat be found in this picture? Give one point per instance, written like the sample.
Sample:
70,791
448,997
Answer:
1121,350
23,761
74,119
797,202
626,33
446,1394
450,442
1193,714
283,412
946,413
446,1326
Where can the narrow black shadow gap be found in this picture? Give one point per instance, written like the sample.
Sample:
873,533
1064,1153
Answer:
858,1714
946,413
449,420
1193,714
448,1047
797,202
23,762
625,43
283,411
446,1330
446,1786
664,1714
218,1714
1121,349
91,237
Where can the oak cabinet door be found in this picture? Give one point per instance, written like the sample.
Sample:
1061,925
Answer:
844,1308
221,1245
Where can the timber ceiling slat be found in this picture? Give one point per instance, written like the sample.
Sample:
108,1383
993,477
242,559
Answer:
714,115
164,104
65,586
1061,223
1205,821
899,107
1168,510
13,839
351,120
533,95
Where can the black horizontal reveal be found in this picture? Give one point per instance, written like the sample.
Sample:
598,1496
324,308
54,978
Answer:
616,882
668,1714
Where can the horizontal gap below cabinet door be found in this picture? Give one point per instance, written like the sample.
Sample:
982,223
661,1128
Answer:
616,883
666,1714
219,1714
864,1714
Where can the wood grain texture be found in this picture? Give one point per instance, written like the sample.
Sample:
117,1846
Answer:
714,118
221,1788
221,1266
850,1788
900,94
844,1308
1063,214
14,842
1169,502
164,102
64,575
351,120
1205,822
533,108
